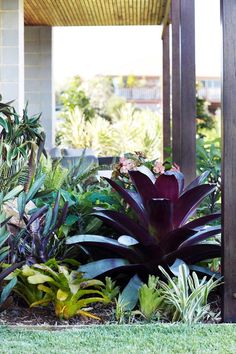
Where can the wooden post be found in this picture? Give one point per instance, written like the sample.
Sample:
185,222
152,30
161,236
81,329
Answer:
188,89
176,96
183,87
166,92
228,15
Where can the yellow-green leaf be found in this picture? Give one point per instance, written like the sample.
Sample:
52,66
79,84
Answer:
62,295
27,271
39,279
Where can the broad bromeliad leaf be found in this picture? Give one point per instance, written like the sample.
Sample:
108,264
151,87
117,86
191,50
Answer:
129,297
161,233
69,291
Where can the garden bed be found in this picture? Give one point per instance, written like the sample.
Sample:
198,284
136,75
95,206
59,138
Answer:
45,316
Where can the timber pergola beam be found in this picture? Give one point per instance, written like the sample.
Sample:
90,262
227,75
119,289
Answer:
183,123
228,16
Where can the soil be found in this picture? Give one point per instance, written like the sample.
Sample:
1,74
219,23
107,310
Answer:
45,316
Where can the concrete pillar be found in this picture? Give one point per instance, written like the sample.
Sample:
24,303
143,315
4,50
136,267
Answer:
12,52
39,91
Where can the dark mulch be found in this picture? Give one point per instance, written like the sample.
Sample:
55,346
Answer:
18,315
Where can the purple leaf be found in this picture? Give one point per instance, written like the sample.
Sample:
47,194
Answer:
188,202
175,238
94,269
160,212
144,186
195,253
145,170
37,215
167,187
201,236
202,221
180,178
124,225
143,220
111,265
62,216
197,181
56,208
107,243
9,270
129,197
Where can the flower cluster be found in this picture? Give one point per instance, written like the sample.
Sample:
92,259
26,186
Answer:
132,162
127,165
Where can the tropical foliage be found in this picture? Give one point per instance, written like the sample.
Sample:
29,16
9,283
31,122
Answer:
22,142
52,219
187,296
150,298
209,159
67,290
160,232
128,131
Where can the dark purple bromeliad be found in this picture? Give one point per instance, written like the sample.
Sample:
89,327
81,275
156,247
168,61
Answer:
161,232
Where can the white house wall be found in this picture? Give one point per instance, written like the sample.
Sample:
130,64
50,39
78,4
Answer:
12,52
38,77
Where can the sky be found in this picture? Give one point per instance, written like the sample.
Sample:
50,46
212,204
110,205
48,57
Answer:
137,50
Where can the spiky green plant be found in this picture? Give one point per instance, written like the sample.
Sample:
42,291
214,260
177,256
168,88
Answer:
21,143
127,131
110,289
186,296
150,297
54,172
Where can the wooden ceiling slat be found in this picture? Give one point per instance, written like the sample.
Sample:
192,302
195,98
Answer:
94,12
70,10
136,12
149,12
117,9
102,11
154,10
85,5
140,13
159,9
77,9
108,13
100,15
145,13
62,14
96,15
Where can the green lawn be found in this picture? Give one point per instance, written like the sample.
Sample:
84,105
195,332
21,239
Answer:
121,339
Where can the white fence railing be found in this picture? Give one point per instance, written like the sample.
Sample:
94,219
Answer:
139,93
211,94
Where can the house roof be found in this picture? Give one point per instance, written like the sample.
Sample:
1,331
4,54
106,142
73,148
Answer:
95,12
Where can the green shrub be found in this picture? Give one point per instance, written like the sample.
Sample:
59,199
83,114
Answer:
69,292
186,296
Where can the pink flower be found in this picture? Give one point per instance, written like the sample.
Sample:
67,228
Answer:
127,165
175,168
158,167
